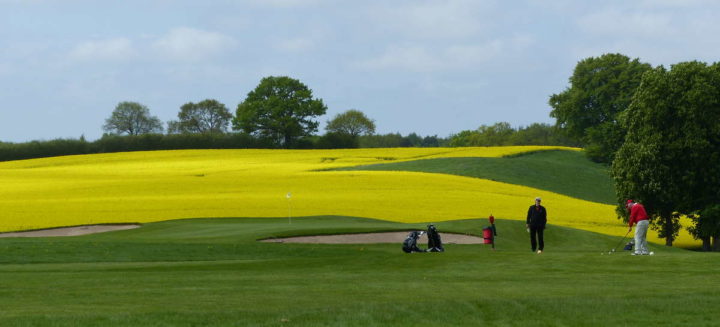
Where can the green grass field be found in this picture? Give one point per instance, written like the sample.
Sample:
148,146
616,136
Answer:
213,272
564,172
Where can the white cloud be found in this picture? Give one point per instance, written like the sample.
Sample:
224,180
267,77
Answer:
24,2
613,22
427,59
285,3
677,3
433,19
413,58
117,49
556,6
295,45
189,44
661,32
454,58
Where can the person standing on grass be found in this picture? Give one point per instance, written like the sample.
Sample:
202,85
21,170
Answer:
638,216
492,224
535,223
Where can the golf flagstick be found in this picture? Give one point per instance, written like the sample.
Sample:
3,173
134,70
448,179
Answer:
288,196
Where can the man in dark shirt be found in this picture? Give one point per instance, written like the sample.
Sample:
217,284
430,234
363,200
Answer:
535,223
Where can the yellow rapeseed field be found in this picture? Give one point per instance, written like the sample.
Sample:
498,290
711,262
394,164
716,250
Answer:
162,185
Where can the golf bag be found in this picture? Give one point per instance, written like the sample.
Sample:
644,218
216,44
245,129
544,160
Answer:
488,237
629,246
410,243
434,242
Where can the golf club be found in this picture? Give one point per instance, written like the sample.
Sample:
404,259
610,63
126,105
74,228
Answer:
621,241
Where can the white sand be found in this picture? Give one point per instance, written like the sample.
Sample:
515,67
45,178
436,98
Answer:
70,231
366,238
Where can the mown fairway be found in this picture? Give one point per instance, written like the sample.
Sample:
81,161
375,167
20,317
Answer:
564,172
213,272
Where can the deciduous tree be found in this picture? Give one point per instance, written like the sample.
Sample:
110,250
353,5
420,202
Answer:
205,117
669,158
587,110
352,122
132,118
707,227
281,109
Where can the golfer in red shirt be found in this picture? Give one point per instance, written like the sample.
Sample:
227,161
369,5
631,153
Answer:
639,216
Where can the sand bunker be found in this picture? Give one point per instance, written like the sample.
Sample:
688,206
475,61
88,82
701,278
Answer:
367,238
70,231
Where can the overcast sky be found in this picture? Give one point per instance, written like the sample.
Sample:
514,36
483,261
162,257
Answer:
430,67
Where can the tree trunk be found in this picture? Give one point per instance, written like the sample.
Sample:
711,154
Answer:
706,244
287,140
668,230
716,243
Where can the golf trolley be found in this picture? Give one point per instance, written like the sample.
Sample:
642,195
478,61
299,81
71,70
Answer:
434,242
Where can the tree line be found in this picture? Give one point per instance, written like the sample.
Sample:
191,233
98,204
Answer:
659,130
281,112
502,134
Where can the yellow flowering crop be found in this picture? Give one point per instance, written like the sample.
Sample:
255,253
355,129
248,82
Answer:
163,185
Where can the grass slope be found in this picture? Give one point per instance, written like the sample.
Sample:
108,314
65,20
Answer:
565,172
213,272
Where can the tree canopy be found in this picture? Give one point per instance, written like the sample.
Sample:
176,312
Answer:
281,109
707,227
205,117
502,133
132,118
669,158
352,122
600,88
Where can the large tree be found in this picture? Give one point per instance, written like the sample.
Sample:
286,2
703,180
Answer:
352,122
600,88
279,108
669,158
132,118
707,227
205,117
700,110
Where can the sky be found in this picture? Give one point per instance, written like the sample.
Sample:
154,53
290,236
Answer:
413,66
